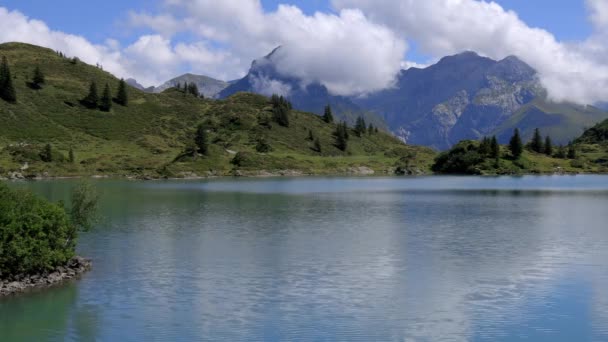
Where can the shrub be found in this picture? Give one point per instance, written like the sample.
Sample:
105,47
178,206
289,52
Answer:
36,235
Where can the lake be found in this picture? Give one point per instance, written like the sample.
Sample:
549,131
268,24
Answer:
333,259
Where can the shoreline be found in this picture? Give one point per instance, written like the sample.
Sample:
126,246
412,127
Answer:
365,172
19,284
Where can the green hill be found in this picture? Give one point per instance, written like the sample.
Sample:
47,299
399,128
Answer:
149,136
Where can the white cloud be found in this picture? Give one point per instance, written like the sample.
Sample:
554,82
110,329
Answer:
266,86
569,71
151,59
344,51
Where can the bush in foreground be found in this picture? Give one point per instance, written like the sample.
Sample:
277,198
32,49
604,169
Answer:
36,235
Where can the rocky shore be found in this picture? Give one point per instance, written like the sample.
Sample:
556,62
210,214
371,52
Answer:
22,283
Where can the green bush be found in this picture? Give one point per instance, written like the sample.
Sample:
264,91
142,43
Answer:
36,235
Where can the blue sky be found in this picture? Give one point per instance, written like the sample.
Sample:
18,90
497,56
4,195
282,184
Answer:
352,46
98,20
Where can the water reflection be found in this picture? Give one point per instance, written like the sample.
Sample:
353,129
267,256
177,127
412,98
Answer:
336,259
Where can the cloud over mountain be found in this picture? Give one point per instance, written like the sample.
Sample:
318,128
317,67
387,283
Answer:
359,47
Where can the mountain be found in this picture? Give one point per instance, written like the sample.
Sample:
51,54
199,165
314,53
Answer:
149,136
468,96
264,78
207,86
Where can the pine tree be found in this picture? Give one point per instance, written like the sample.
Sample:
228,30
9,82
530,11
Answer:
360,126
281,110
327,115
370,129
494,148
341,135
38,78
317,145
310,136
46,155
193,89
105,103
484,147
71,157
122,98
92,99
515,145
201,140
536,144
561,152
571,151
7,91
548,146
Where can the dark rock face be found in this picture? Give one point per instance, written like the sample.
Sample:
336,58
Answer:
21,283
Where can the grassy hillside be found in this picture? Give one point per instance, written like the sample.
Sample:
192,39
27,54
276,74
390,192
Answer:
561,121
149,136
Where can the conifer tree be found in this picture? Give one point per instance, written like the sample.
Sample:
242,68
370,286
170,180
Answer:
370,129
310,136
281,110
327,115
193,89
548,146
561,152
515,145
536,144
317,145
71,157
360,126
7,91
105,103
122,98
201,140
484,147
494,148
571,151
92,98
38,78
341,135
46,155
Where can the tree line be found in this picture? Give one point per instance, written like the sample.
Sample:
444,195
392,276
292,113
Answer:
104,103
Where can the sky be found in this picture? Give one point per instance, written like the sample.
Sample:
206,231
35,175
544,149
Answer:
351,46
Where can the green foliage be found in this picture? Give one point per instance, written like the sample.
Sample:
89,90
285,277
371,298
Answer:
281,109
38,79
148,138
7,90
360,126
494,148
71,158
317,145
105,103
310,136
536,144
46,155
328,117
85,200
341,135
548,147
515,145
92,99
462,159
122,98
572,152
202,140
35,235
263,146
561,152
192,89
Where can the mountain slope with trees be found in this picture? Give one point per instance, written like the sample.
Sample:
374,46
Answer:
85,121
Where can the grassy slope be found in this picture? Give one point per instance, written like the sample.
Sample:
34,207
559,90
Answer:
153,130
561,121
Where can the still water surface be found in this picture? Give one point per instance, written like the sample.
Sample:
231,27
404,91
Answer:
333,259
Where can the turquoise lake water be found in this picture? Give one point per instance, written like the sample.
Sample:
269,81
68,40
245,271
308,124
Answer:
333,259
